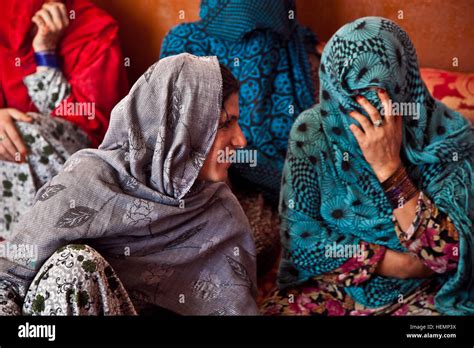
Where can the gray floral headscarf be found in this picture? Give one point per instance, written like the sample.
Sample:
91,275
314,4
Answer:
175,242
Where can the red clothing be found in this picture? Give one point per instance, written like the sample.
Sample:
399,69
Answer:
90,55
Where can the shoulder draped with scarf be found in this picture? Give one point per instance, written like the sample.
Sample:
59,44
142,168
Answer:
175,242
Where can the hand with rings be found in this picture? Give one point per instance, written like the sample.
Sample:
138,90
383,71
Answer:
380,139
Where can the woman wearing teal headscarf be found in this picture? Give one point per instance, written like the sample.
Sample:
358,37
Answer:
377,198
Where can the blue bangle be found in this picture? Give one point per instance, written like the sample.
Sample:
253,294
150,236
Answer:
47,58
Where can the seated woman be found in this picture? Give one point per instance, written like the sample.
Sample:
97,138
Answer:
61,60
274,58
152,201
377,200
276,61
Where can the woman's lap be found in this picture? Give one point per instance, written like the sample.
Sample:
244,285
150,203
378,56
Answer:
50,142
319,297
77,280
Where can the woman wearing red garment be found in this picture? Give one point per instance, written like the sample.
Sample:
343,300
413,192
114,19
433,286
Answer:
61,73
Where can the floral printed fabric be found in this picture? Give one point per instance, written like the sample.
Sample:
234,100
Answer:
320,297
329,192
359,268
76,280
268,53
47,88
50,141
432,237
175,242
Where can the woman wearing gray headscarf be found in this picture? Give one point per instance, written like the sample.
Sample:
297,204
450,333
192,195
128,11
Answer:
167,231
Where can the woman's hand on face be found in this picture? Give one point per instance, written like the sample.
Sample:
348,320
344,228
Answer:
12,148
51,21
380,145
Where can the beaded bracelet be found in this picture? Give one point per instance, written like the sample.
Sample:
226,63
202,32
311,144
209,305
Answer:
399,188
47,58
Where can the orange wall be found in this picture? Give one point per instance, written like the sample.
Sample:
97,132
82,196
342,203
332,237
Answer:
439,29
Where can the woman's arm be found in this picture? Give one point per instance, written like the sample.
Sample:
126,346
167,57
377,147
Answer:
379,260
432,237
47,87
402,266
432,242
309,243
381,148
93,77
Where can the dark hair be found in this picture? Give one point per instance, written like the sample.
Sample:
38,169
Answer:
230,84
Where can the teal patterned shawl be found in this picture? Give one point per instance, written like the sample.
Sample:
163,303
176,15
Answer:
326,199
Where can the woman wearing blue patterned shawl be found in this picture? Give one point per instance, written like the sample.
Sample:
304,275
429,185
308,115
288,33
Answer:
377,198
267,50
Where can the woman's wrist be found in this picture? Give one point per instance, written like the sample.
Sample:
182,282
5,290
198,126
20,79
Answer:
385,171
44,47
47,59
394,264
399,188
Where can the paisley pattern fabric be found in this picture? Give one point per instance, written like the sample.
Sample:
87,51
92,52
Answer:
175,242
267,50
330,194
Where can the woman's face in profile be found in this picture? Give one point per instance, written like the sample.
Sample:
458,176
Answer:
229,136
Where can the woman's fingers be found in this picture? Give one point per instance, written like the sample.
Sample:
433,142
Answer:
63,12
358,134
8,150
387,105
398,124
16,139
4,155
57,13
11,140
38,21
369,108
363,121
47,18
19,116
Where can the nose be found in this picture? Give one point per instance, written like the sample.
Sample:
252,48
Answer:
238,138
